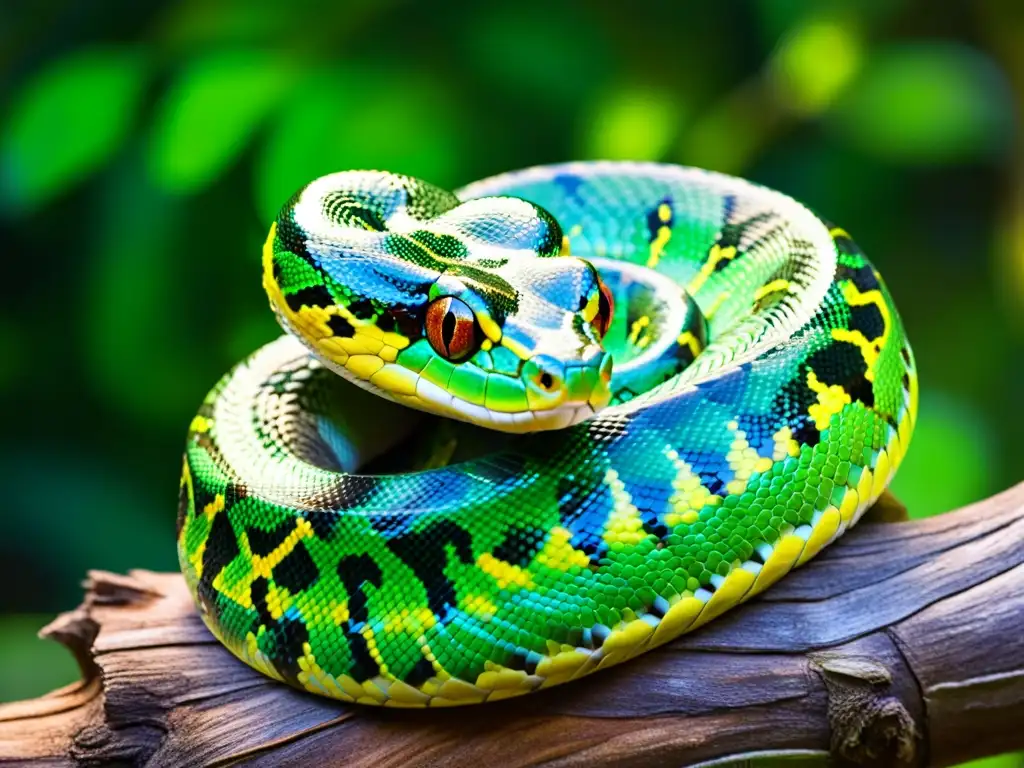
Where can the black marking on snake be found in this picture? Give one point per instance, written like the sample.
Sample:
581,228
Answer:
582,505
340,326
356,573
201,496
310,296
364,308
234,493
420,672
732,233
867,319
363,665
286,635
792,402
385,321
407,319
519,546
426,553
262,542
258,591
843,363
863,277
659,607
654,220
296,571
845,244
805,430
221,548
599,633
185,500
324,523
524,660
290,236
653,525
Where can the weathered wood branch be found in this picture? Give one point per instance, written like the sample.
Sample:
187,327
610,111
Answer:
902,644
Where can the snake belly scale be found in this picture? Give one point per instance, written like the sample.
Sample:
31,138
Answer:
756,425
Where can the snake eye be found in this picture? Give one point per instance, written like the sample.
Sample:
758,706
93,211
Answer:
605,309
452,329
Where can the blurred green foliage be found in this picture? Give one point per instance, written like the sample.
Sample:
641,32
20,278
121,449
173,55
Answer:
144,148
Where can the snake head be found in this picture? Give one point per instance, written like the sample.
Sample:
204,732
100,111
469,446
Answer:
469,310
534,362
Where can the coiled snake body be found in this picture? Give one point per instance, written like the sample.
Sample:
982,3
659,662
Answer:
761,396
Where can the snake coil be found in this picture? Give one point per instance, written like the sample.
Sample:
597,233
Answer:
713,386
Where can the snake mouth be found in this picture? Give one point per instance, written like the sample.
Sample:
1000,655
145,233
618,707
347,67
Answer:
529,421
434,399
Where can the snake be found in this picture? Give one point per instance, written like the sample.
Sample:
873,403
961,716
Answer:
530,429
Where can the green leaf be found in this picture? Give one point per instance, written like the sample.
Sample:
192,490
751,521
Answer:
526,50
632,123
361,120
138,303
926,103
814,62
65,123
210,113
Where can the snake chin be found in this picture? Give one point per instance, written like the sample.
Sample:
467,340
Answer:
559,417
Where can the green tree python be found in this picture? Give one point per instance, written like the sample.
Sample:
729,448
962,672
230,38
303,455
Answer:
337,538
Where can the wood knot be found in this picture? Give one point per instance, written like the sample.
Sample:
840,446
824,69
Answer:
869,725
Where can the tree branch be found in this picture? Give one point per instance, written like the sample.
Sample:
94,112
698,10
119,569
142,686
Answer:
899,645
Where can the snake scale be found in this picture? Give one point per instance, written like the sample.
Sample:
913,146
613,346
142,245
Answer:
337,538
